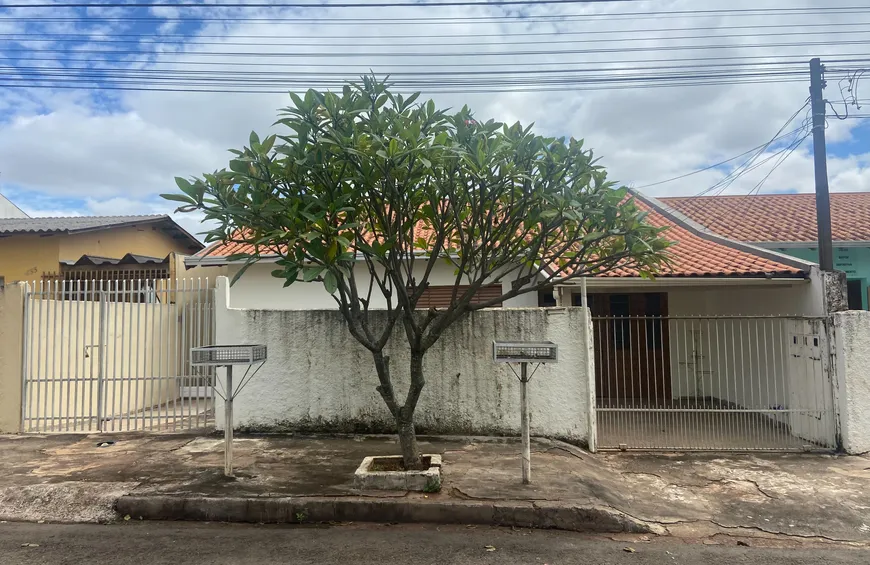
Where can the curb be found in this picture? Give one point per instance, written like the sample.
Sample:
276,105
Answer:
287,510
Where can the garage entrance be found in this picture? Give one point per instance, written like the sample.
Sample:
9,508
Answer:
721,383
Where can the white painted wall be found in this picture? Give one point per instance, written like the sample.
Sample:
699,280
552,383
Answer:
257,288
318,376
852,354
10,210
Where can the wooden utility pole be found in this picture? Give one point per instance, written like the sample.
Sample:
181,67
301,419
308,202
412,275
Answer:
823,198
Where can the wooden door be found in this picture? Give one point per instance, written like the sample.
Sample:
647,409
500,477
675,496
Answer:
632,360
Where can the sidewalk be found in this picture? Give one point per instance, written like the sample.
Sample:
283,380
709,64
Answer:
70,478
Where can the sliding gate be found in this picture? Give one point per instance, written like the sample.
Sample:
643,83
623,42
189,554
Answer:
114,355
712,383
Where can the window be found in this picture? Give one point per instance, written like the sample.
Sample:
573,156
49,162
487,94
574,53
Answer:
853,295
440,296
546,298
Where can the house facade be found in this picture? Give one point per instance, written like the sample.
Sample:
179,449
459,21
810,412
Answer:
33,249
786,223
720,351
708,274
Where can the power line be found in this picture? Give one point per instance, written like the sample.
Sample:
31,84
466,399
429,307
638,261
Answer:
298,5
751,164
307,41
432,88
720,163
785,155
89,35
510,19
365,68
549,53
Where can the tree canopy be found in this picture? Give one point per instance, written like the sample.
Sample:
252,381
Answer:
367,191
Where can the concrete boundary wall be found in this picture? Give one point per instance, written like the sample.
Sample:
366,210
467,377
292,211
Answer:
319,378
11,324
852,363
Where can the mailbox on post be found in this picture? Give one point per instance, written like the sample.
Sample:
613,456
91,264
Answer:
525,352
228,356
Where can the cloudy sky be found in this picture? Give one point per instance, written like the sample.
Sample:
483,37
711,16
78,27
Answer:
98,113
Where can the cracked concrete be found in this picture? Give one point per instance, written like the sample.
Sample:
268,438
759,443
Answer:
795,496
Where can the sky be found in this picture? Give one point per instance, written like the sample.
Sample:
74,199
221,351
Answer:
86,148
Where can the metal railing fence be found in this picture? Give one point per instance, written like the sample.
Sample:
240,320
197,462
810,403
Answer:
712,383
115,355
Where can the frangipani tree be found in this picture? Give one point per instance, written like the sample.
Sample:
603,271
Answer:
367,192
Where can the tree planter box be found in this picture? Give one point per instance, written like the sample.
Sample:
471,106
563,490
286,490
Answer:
423,480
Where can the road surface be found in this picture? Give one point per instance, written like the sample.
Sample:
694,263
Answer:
158,543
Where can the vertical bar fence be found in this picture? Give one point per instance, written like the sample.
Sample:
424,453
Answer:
113,355
716,383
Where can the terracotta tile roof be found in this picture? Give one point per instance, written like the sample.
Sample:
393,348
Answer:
691,255
777,217
695,256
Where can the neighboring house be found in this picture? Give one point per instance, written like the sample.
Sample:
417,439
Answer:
10,210
787,223
101,247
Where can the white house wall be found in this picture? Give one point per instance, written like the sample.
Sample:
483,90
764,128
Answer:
772,363
853,379
257,288
10,210
318,377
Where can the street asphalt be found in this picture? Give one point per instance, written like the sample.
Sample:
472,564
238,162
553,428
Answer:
157,543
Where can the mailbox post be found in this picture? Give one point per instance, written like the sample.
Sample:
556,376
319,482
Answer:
227,356
525,352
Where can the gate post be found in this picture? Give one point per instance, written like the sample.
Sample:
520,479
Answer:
12,297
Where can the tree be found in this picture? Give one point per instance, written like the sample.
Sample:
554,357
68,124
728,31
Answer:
368,191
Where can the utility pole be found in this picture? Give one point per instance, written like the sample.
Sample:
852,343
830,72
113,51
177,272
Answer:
823,198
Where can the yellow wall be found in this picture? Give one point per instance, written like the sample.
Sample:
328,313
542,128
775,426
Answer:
146,239
27,257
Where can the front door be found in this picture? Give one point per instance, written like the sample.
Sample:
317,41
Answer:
631,346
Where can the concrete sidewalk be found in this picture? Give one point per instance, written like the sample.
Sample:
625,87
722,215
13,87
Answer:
280,478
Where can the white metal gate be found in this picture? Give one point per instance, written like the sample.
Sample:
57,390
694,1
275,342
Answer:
115,355
723,383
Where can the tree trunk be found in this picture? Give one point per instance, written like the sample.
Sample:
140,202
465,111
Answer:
405,417
408,442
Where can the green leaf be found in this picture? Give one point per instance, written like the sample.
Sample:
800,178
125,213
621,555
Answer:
238,166
330,282
185,186
178,198
311,273
254,139
267,144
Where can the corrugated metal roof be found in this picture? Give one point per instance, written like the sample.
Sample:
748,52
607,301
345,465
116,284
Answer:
79,224
72,224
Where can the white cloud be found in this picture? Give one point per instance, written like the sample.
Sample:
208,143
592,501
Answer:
64,144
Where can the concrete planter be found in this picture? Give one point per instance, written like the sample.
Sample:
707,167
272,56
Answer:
423,480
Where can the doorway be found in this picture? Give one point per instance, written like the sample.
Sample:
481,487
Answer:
854,295
632,360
